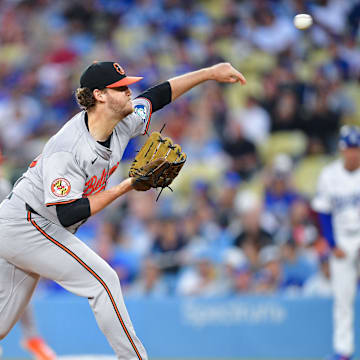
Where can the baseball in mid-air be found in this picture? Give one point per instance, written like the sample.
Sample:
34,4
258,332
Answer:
303,21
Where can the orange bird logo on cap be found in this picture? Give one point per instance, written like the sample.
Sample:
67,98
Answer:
119,69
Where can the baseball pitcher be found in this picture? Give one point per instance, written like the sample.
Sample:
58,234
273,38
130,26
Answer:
67,183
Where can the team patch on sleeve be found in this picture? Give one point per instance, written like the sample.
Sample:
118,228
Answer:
141,111
60,187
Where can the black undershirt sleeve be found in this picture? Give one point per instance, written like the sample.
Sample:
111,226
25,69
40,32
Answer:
159,95
70,214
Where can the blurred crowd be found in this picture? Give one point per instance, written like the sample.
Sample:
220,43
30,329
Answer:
239,220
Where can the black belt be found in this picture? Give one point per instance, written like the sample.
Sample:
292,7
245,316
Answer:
29,208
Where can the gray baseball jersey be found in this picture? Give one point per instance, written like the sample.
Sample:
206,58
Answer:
74,165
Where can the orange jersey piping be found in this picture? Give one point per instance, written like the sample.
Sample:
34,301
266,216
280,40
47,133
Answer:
61,202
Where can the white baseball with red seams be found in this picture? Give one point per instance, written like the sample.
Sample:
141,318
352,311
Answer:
303,21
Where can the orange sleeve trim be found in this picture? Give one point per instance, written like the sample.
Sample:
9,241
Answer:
61,202
33,164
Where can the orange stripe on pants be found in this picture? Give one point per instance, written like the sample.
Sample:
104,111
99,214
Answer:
92,272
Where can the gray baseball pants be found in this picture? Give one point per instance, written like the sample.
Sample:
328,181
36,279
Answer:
32,247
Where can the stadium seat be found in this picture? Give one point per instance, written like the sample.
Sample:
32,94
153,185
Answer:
292,143
353,91
307,172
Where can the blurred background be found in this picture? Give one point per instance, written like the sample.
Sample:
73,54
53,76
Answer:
236,247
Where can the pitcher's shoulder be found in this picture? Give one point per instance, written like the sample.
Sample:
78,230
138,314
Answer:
69,137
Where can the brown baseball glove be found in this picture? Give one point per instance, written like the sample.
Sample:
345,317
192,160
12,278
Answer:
157,164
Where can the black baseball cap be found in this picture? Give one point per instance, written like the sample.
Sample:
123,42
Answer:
106,74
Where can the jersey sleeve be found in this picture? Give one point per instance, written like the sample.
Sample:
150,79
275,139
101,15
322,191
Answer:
63,179
322,200
141,116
